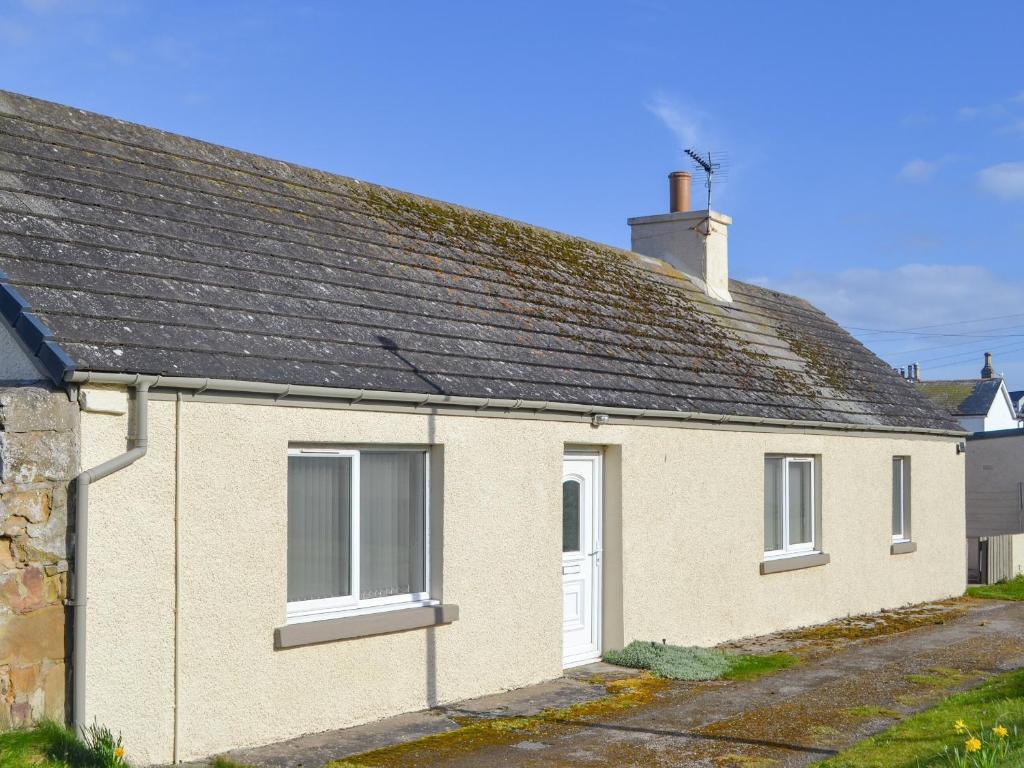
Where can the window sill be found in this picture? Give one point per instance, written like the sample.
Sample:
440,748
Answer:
794,563
364,625
903,547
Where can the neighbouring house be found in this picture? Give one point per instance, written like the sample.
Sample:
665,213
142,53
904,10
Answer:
1017,398
980,405
338,452
994,470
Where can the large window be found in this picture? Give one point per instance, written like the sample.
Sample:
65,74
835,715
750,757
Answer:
900,498
357,531
788,505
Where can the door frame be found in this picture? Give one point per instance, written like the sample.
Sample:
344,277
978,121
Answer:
596,457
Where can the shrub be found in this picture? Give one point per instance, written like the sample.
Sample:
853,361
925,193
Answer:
673,661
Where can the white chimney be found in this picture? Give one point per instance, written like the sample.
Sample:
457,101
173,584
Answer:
694,242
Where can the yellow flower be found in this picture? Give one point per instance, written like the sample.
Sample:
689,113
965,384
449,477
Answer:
119,752
972,745
1000,731
959,726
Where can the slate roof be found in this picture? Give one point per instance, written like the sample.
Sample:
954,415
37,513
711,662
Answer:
147,252
962,397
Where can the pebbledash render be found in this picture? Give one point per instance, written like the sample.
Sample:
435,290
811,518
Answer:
320,452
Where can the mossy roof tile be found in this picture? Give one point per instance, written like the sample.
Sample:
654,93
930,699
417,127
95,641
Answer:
148,252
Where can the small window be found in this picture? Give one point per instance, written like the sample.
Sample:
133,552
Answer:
571,511
357,530
788,505
900,498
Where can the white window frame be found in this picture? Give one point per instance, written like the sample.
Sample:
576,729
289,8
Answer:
904,495
350,605
792,550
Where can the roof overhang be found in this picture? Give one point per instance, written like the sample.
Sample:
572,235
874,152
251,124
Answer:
479,405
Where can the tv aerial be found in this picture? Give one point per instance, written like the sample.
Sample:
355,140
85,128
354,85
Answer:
714,166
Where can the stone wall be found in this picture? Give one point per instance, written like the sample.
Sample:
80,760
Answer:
38,459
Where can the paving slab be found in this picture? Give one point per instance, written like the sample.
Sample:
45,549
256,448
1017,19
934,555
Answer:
856,677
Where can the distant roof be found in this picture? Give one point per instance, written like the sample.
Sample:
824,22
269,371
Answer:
962,397
1016,395
147,252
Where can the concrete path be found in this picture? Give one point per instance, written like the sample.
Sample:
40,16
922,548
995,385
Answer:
856,677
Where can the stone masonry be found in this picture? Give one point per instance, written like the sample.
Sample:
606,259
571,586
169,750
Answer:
38,459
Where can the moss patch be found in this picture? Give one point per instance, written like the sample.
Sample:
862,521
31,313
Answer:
872,712
876,624
938,677
478,734
744,761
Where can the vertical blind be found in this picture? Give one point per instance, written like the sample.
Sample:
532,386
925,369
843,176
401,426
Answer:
897,496
319,526
392,523
793,480
800,503
773,504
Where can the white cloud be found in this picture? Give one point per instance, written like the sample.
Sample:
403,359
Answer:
1005,180
919,171
1017,127
683,121
916,295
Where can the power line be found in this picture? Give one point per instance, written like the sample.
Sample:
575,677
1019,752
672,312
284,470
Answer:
945,325
944,335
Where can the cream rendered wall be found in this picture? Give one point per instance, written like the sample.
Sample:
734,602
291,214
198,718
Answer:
130,647
692,507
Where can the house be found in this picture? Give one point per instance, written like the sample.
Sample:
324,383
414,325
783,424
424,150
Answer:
334,452
995,503
1017,398
980,405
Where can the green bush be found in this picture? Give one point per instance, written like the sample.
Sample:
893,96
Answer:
692,663
671,661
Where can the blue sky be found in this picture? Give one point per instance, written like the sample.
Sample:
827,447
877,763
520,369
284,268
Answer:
876,149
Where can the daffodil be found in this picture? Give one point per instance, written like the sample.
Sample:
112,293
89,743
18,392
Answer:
119,752
973,744
959,726
1000,731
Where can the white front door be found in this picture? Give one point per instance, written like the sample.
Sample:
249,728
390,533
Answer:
581,559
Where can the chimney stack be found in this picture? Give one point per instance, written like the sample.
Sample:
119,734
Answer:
988,372
693,242
678,192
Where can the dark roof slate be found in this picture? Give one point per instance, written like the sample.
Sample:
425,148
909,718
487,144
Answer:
962,397
147,252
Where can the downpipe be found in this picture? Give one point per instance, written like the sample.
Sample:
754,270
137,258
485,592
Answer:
139,441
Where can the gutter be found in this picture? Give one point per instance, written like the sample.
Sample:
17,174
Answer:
139,440
572,411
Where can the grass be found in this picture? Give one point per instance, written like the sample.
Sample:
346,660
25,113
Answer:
751,666
919,740
690,663
52,745
1003,590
